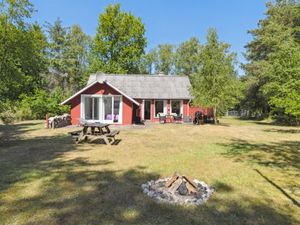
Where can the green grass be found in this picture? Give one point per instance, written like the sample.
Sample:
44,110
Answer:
47,179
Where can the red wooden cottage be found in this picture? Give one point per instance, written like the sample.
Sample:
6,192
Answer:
124,99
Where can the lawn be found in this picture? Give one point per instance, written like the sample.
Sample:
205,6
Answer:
47,179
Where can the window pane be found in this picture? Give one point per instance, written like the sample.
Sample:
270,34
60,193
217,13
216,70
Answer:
117,101
175,106
159,107
107,101
96,108
88,108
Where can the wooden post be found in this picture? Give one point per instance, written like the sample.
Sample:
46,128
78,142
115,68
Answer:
47,120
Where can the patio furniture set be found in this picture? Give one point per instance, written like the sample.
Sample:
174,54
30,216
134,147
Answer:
173,118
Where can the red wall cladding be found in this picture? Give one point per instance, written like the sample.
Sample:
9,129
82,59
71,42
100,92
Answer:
205,111
102,89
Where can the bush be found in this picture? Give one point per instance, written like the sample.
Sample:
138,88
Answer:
7,117
42,102
24,113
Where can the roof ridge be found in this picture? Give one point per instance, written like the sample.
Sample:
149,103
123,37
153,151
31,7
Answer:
139,75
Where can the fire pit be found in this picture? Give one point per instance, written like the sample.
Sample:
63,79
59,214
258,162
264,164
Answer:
178,189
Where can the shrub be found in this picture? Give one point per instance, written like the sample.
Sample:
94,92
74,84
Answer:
42,102
7,116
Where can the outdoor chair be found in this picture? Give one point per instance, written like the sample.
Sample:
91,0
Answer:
177,118
162,118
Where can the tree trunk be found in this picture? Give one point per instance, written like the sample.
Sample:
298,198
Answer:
215,115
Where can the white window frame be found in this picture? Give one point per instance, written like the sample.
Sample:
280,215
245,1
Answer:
181,105
82,113
165,107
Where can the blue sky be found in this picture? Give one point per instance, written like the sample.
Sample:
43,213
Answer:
166,21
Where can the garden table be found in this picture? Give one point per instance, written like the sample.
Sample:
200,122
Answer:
96,129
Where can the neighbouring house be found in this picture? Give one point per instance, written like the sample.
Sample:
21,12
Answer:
127,99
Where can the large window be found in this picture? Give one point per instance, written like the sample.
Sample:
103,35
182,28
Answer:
159,107
176,107
102,108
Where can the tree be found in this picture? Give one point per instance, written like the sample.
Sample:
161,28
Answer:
215,84
186,56
283,77
147,64
56,53
276,36
119,43
22,51
165,59
76,52
68,50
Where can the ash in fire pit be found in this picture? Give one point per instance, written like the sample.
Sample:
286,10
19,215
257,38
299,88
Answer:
178,189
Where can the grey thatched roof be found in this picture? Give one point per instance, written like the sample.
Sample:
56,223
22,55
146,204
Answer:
147,86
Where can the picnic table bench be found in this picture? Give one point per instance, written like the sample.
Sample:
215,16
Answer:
99,130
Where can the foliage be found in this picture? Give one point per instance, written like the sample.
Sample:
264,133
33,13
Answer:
77,49
68,50
159,60
187,57
165,59
119,43
215,84
22,50
42,102
7,117
56,49
273,55
146,66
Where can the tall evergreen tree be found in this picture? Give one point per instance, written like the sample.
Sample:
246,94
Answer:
119,43
76,52
68,50
215,84
57,61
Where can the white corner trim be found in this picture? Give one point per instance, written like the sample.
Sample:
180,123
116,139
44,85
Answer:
122,93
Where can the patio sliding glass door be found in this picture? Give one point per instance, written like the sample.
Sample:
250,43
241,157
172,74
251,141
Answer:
91,108
105,108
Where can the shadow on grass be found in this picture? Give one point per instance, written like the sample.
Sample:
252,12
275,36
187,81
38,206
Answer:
81,191
13,131
222,187
115,197
284,131
278,188
285,154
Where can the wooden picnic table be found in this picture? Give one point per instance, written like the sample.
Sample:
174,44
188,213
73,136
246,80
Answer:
99,130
